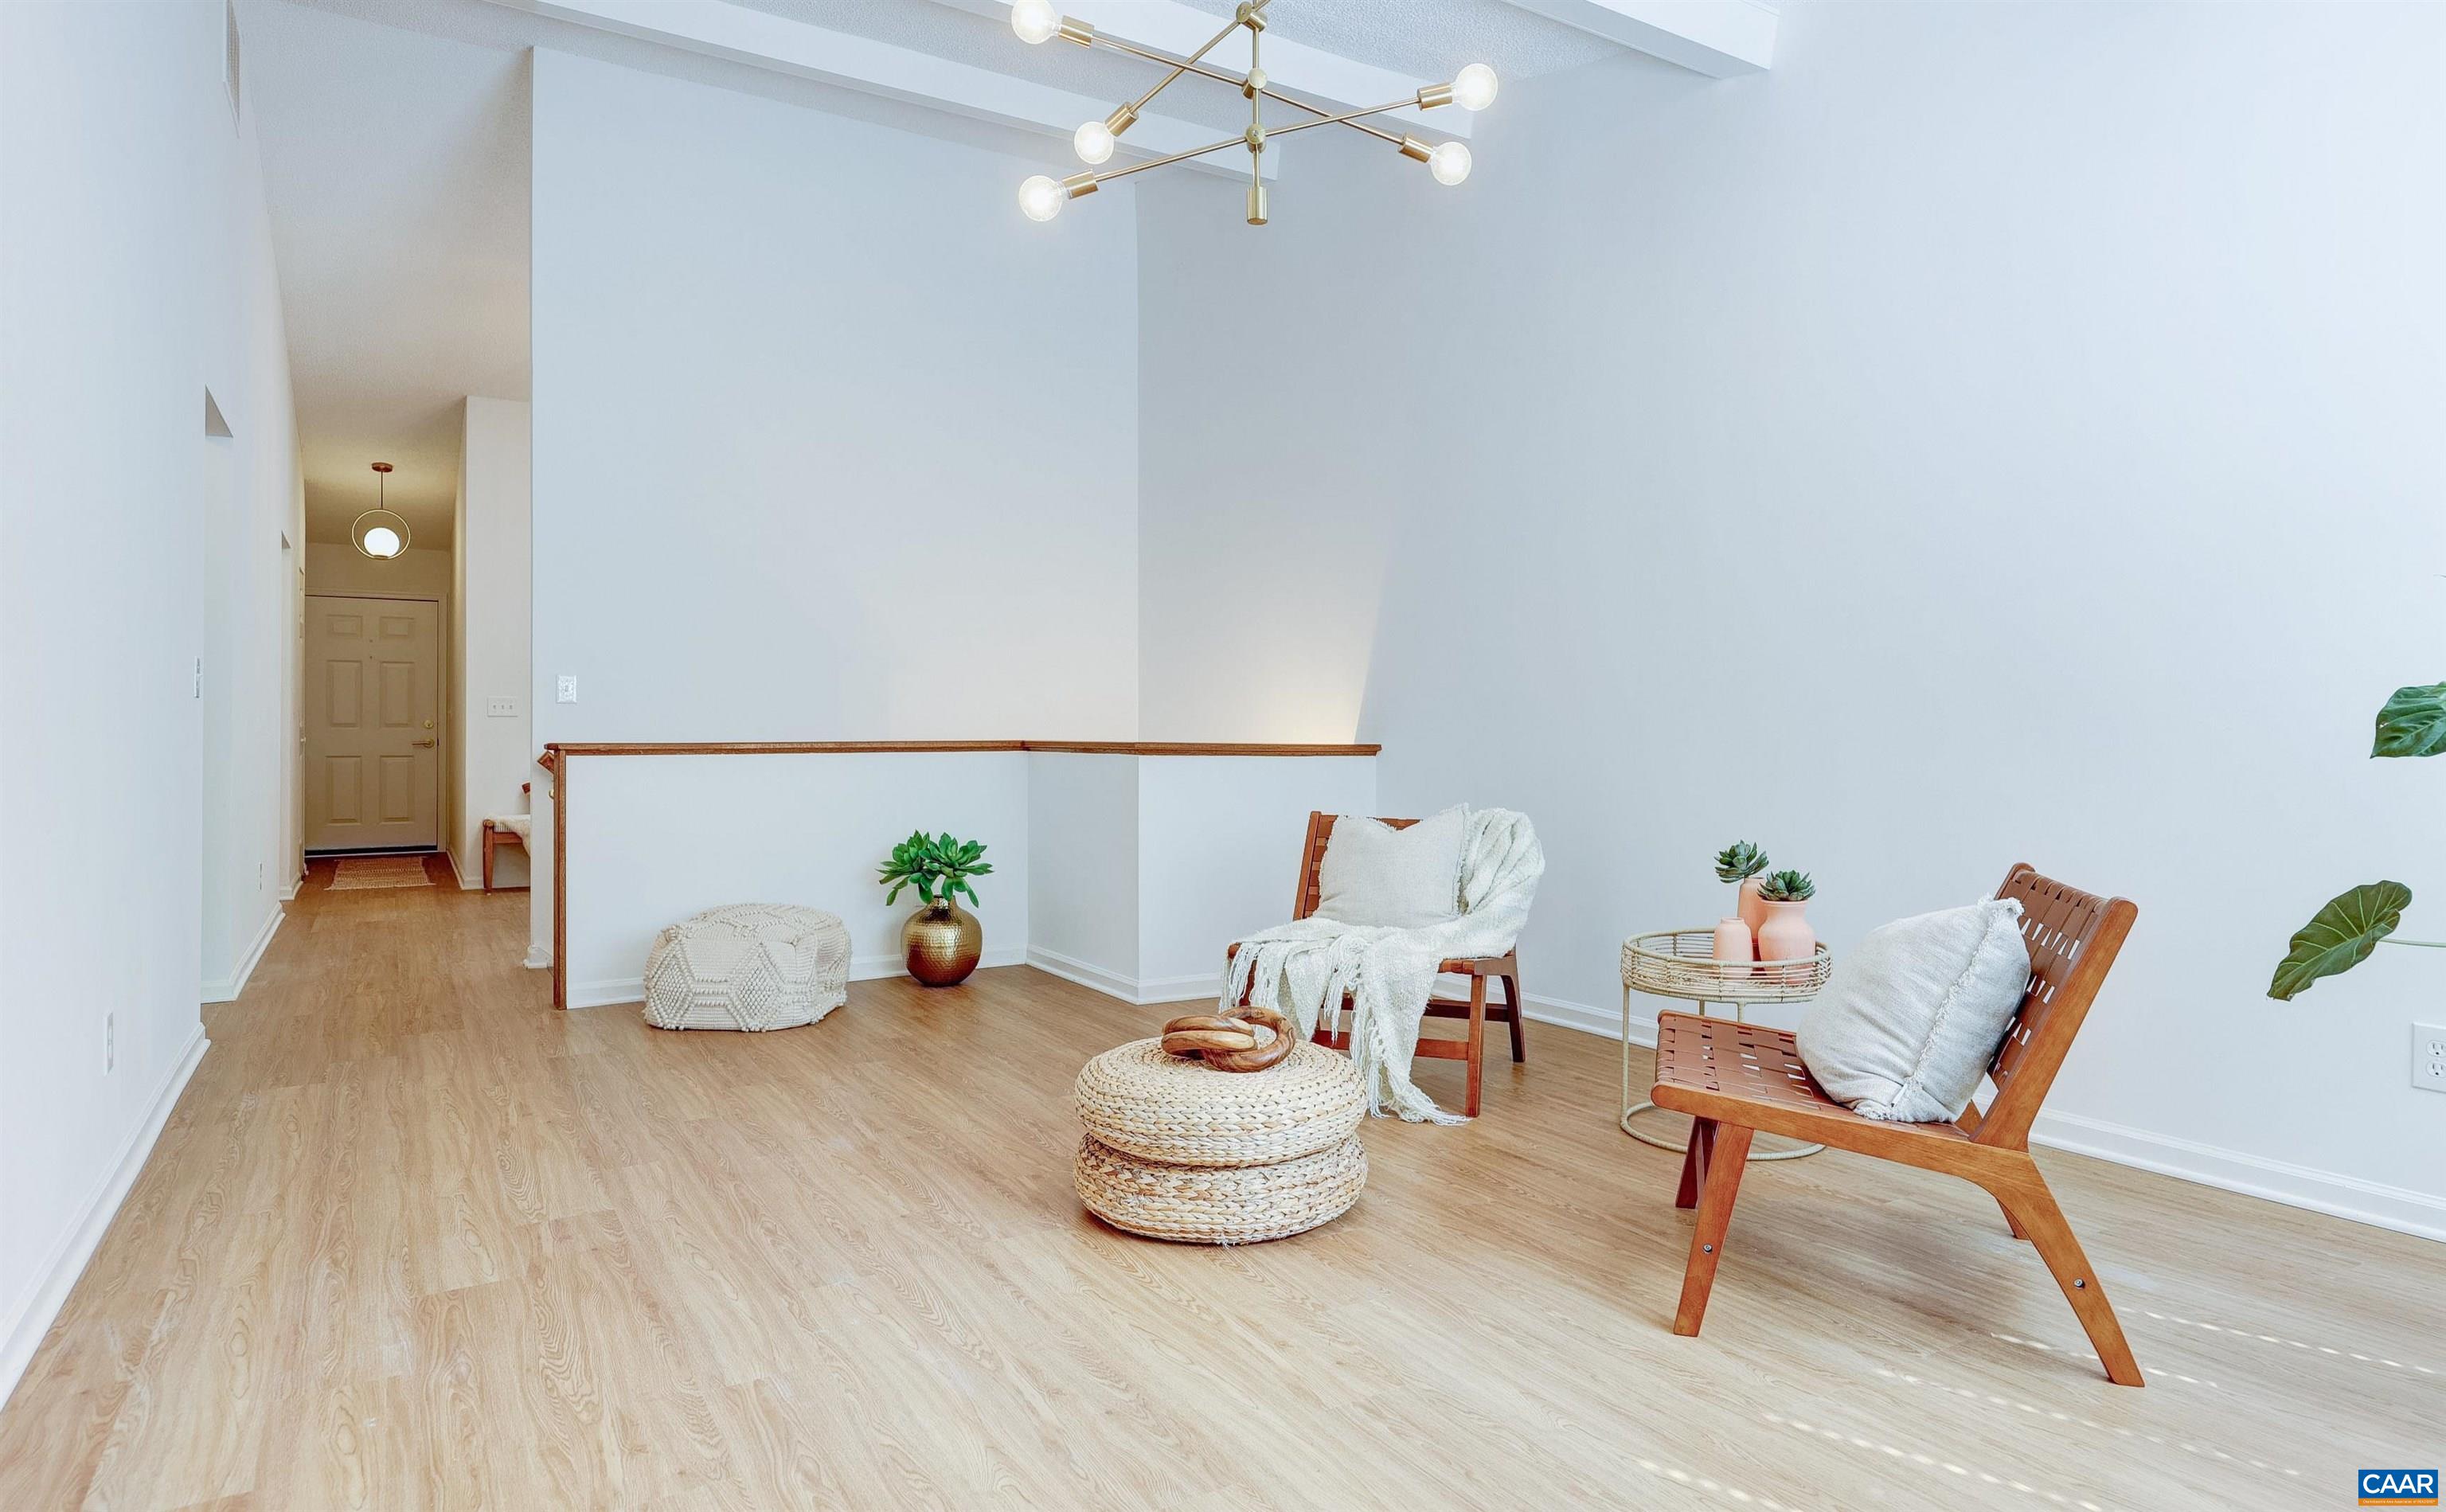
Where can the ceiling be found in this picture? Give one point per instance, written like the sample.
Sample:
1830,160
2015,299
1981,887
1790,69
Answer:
395,165
1430,42
394,138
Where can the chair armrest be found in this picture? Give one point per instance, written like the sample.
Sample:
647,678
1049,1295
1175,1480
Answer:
1480,966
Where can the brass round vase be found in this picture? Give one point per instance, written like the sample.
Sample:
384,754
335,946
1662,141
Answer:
943,941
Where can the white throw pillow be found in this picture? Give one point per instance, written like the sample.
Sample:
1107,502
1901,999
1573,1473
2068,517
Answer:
1909,1019
1406,878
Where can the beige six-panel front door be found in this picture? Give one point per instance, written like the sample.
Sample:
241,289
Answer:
373,754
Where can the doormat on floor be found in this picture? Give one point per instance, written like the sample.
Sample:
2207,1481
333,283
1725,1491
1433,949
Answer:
380,871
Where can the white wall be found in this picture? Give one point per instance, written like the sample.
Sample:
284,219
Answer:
777,829
1219,854
134,272
2001,432
492,621
828,443
420,572
1083,876
1142,869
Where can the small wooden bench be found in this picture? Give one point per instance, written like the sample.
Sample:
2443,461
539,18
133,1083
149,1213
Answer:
511,829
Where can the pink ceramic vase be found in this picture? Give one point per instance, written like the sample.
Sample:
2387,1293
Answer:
1751,907
1733,942
1786,934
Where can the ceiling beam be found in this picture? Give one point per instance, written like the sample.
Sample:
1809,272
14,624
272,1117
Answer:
716,29
1310,73
1718,38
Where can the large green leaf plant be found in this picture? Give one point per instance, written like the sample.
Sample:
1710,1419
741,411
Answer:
2341,936
937,865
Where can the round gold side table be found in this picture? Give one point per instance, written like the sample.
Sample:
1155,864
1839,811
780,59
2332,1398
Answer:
1681,963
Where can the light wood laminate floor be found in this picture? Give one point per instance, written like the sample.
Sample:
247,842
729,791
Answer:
413,1240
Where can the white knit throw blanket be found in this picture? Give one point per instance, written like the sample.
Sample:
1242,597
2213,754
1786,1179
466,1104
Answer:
1301,967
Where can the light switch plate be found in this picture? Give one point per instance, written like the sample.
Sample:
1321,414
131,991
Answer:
501,708
569,689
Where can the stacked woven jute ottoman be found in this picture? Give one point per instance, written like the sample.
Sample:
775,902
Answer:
1177,1149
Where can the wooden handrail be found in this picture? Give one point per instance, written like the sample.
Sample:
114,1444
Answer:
870,747
556,753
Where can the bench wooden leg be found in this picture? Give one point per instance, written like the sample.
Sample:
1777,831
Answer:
1512,1001
2012,1222
1477,1039
1728,1154
2032,1207
1694,1162
492,837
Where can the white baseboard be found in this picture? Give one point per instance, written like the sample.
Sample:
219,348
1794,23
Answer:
1071,968
539,958
1203,984
2348,1197
59,1271
2338,1196
226,990
1601,1021
614,989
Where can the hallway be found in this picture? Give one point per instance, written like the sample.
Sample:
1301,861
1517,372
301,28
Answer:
414,1239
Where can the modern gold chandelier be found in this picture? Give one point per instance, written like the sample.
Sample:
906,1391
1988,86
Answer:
1042,198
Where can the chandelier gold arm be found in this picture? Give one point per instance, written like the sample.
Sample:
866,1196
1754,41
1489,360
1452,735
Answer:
1350,118
1041,197
1347,118
1236,139
1181,65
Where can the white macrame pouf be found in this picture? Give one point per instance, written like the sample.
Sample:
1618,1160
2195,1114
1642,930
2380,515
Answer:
752,966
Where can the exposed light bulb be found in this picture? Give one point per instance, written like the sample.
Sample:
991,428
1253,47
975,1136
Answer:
1035,21
1449,163
1094,142
1472,88
382,541
1040,199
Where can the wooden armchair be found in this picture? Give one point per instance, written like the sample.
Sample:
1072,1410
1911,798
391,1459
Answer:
1735,1078
1505,968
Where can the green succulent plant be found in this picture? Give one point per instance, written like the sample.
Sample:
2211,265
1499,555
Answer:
1739,861
2342,935
1787,887
937,865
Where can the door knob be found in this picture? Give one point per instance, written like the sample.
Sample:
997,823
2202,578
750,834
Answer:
420,743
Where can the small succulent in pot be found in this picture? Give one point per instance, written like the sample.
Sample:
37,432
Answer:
1739,865
1786,934
1739,861
1787,887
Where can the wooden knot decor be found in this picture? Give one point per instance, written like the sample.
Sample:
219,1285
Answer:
1230,1042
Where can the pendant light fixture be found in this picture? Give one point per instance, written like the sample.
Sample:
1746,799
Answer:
1042,198
379,533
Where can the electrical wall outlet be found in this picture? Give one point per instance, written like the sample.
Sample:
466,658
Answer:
569,689
109,1043
2428,1057
501,708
